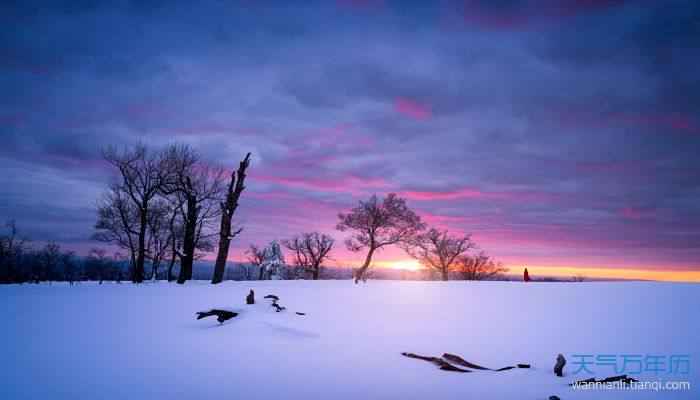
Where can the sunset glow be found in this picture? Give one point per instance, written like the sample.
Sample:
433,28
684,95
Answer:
429,101
410,265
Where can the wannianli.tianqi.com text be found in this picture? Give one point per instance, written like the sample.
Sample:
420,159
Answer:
639,385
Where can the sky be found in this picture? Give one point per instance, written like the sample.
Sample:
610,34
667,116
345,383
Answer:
559,134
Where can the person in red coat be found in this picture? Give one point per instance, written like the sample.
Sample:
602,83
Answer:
526,276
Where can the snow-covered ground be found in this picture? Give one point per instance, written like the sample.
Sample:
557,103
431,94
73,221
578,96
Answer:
143,342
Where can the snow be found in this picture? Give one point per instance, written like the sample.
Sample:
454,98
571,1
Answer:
143,341
273,260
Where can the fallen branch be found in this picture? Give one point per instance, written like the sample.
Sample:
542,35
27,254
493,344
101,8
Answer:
444,365
460,361
222,315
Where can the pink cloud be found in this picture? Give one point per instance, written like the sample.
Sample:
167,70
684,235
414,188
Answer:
680,123
346,183
409,107
635,213
474,194
468,193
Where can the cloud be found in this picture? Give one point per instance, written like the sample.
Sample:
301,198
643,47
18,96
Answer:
411,108
577,121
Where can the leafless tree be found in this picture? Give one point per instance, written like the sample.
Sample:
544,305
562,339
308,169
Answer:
13,247
368,274
98,259
70,266
438,250
247,270
309,250
118,260
255,257
479,267
579,278
176,227
199,188
378,223
228,208
159,234
141,175
51,254
117,219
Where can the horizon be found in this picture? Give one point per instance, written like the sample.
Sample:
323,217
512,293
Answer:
564,140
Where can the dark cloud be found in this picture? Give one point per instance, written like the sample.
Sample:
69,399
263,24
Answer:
565,132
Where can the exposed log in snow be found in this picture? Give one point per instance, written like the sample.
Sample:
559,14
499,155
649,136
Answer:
444,365
460,361
222,315
559,366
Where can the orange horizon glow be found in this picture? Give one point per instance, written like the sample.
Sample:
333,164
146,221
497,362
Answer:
565,272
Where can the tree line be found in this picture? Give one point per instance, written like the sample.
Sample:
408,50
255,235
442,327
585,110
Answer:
166,209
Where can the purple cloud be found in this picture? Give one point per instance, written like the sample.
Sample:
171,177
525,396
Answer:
561,134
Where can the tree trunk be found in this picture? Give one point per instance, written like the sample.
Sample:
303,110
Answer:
188,245
228,208
368,260
222,254
140,260
170,268
262,272
314,273
445,274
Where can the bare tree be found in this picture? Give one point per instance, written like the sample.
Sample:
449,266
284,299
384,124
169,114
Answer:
309,250
426,274
256,257
141,175
97,258
228,208
51,254
69,265
479,267
12,249
247,270
378,223
175,225
198,187
438,250
579,278
117,220
159,235
117,264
